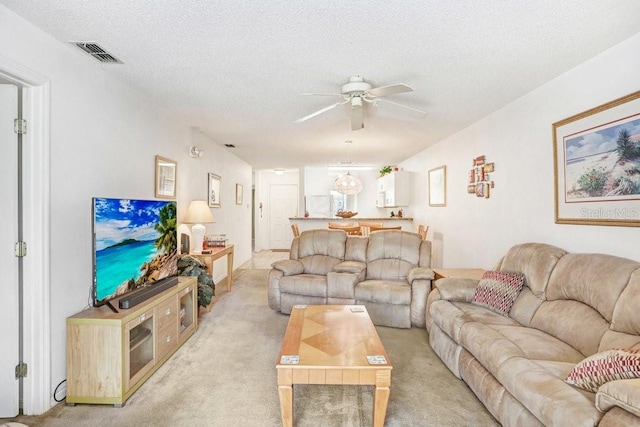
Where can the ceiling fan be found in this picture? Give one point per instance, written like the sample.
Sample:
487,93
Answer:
356,92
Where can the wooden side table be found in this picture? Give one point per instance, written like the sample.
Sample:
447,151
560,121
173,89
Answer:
465,273
217,253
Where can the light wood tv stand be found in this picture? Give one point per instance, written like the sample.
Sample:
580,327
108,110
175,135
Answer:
110,355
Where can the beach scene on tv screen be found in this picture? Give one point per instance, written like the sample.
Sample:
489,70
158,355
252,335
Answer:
135,244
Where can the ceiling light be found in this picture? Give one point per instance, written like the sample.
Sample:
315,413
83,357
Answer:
195,151
278,171
347,184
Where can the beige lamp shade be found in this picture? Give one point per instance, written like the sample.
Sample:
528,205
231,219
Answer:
198,213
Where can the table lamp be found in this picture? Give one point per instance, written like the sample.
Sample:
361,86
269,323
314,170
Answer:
197,214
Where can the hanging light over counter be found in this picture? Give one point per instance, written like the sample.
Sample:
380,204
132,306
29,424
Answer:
347,184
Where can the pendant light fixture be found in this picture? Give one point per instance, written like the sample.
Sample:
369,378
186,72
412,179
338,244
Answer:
347,184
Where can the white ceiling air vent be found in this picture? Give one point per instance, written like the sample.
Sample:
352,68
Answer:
97,52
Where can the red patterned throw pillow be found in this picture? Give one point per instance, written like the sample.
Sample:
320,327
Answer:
498,290
600,368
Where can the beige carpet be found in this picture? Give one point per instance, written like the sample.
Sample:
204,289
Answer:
225,376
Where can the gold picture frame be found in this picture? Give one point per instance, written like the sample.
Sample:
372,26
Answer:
239,191
166,176
596,162
214,190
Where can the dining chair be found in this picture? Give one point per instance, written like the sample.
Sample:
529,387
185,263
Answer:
374,229
340,225
422,231
370,224
296,231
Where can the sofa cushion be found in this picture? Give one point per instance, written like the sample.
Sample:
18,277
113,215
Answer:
596,280
354,267
322,242
536,261
450,316
600,368
356,248
384,291
319,264
312,285
494,345
622,393
572,322
548,397
625,315
420,273
392,254
289,267
497,290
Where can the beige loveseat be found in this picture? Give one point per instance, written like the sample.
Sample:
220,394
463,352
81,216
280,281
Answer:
571,306
388,272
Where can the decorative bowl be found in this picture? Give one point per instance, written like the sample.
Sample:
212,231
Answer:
346,214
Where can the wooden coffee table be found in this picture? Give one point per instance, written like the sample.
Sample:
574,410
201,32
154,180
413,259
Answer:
329,344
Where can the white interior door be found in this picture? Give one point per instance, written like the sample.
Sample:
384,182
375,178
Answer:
283,204
9,385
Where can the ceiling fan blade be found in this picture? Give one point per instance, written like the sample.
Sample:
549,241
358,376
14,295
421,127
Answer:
320,94
317,113
389,90
401,105
357,117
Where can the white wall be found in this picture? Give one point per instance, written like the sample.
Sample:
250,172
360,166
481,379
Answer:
474,232
104,137
231,219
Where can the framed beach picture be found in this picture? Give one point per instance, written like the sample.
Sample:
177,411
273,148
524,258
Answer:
597,165
438,186
166,175
214,190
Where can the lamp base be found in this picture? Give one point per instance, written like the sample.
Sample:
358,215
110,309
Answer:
197,237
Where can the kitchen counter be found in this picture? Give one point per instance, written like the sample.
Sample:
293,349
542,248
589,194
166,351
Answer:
352,219
322,223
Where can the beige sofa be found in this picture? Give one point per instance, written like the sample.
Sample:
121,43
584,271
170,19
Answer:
388,272
571,306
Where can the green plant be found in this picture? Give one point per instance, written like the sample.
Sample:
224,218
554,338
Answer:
194,267
385,170
593,181
626,148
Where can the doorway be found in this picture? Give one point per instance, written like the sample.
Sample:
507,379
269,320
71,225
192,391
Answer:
10,293
33,93
283,204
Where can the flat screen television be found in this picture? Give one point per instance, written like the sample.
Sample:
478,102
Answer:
134,250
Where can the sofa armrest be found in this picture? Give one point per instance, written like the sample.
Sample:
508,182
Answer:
420,273
289,267
456,288
622,393
354,267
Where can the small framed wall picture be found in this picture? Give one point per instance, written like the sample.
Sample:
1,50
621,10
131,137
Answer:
238,194
166,176
438,186
214,190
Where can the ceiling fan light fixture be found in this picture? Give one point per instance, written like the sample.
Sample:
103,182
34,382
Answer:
356,92
347,184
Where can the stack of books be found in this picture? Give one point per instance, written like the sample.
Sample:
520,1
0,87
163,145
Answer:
216,240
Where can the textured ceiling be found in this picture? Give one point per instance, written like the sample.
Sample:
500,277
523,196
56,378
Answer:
237,68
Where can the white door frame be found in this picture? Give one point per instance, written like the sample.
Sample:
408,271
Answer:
37,391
